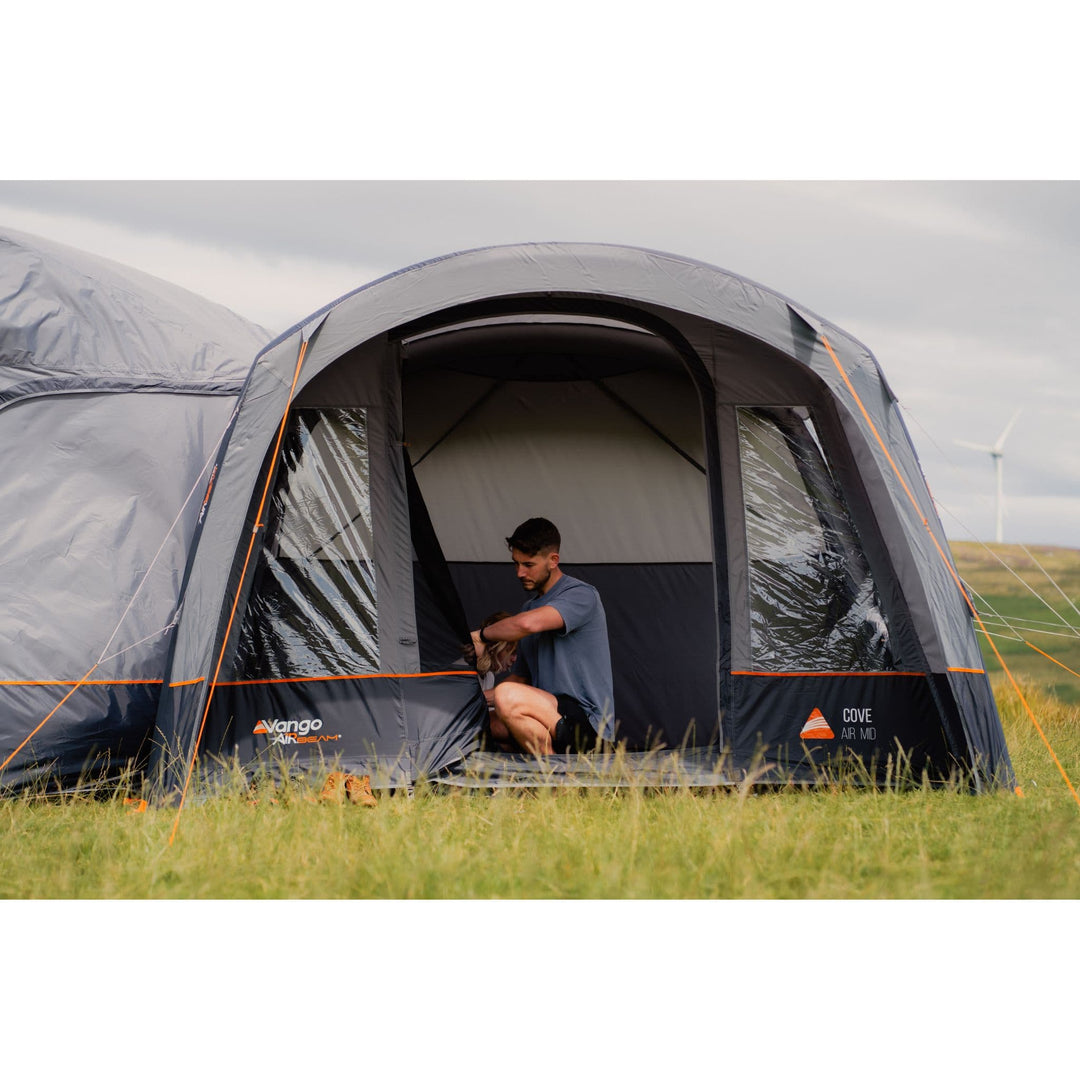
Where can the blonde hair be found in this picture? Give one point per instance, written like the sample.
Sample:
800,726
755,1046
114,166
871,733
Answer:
498,656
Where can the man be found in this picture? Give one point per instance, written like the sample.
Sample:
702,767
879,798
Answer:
558,696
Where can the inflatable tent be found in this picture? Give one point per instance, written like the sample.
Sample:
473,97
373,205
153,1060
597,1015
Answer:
115,389
729,470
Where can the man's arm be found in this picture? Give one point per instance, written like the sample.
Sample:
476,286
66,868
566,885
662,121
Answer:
515,627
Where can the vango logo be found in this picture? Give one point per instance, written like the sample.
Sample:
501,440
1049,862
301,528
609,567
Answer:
293,732
282,727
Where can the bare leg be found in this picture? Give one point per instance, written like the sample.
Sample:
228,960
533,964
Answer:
500,733
527,714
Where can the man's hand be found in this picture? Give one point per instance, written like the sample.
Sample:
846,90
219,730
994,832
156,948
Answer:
478,647
474,650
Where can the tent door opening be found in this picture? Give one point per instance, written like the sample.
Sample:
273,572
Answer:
596,425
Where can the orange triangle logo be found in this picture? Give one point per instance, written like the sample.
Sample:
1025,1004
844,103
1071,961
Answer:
816,727
261,728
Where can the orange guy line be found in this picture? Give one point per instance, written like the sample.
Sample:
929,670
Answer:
1051,659
56,708
949,567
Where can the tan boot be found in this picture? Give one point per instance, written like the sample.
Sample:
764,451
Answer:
358,789
334,788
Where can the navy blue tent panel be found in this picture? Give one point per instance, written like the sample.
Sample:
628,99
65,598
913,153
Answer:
397,724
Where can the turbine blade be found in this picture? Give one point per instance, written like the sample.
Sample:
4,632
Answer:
1005,434
974,446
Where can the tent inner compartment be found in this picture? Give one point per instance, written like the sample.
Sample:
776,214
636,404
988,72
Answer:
596,425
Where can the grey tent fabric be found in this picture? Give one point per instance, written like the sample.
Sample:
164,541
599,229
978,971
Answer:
115,390
225,548
606,388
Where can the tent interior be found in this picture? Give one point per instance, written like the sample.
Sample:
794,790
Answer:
597,425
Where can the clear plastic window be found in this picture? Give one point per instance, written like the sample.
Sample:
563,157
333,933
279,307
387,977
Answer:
813,602
312,607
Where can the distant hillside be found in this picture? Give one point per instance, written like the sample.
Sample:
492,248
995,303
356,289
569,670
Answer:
1029,599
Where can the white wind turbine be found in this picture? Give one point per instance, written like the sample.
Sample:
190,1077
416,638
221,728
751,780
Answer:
997,452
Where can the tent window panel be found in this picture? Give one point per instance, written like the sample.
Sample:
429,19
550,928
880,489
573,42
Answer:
312,608
813,602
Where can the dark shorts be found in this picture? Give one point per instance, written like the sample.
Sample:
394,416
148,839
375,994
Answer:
573,732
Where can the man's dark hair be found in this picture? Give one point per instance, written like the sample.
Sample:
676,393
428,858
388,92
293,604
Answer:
535,535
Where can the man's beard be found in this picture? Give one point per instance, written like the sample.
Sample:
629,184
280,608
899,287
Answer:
538,584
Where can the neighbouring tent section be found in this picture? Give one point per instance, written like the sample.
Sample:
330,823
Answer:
115,390
730,471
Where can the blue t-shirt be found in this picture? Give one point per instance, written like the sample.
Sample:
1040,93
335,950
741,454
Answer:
575,660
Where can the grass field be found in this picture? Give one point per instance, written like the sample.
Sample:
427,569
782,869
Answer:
841,841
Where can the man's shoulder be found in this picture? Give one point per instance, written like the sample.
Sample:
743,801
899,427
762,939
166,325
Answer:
569,588
576,600
567,582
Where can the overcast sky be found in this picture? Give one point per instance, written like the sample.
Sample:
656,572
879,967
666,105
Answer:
964,291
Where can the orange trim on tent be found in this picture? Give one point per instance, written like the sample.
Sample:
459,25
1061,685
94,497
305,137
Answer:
84,681
332,678
187,682
80,682
952,571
